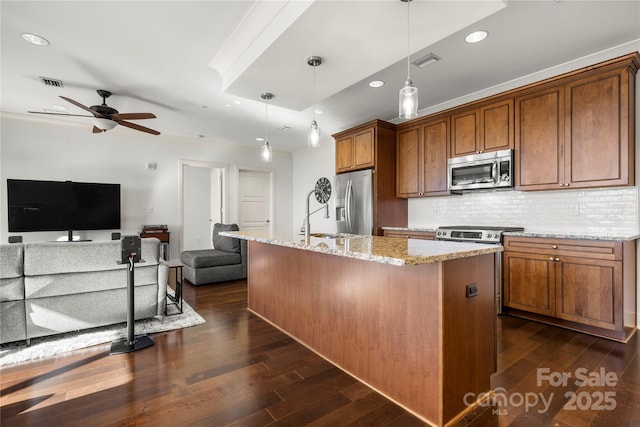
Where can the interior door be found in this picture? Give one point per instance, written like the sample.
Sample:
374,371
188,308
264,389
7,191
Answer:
203,204
255,200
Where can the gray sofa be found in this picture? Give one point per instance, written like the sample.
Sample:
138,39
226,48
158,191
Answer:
49,288
225,262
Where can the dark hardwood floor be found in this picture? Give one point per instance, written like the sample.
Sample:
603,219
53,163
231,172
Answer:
237,370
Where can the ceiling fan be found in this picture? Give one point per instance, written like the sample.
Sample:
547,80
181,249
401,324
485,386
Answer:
105,117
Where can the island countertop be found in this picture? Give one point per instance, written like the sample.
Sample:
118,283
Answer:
385,250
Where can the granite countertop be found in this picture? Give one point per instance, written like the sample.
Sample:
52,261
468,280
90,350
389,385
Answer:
386,250
624,237
429,229
577,235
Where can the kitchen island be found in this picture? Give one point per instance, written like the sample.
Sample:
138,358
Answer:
413,319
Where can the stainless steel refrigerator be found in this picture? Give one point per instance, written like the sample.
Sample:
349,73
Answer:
354,202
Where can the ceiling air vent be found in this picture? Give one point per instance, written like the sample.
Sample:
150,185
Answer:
428,59
51,82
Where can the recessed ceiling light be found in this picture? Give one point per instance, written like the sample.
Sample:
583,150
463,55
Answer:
476,36
35,39
376,83
237,102
319,111
227,105
259,139
284,128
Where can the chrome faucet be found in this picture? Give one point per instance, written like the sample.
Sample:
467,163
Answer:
307,214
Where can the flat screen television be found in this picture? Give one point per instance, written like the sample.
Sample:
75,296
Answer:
62,206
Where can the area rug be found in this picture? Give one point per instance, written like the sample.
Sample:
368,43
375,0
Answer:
17,352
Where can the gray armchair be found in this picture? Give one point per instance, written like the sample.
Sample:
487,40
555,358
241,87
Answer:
225,262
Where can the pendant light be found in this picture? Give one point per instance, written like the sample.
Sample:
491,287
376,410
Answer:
313,137
408,102
266,148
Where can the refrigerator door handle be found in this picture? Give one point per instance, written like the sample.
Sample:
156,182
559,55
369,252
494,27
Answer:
347,204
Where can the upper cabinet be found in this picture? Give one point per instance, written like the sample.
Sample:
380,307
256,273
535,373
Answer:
485,128
422,153
356,149
578,132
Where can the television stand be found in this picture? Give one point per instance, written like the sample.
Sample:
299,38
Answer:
70,238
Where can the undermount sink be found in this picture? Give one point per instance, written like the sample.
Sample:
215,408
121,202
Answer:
335,235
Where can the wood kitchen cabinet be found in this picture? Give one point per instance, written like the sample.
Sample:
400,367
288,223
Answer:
411,234
585,285
356,148
578,132
372,145
486,128
422,153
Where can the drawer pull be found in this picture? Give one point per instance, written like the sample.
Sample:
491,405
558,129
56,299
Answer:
554,246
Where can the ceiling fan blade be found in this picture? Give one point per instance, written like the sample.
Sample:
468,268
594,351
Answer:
97,130
77,104
133,116
137,127
59,114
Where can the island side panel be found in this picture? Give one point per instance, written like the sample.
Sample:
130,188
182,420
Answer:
469,338
381,323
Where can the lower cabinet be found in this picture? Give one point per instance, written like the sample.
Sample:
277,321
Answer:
411,234
585,285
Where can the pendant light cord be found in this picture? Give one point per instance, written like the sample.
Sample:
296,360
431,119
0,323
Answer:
408,47
266,120
314,93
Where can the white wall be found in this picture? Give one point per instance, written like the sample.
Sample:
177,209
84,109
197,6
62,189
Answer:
308,166
56,150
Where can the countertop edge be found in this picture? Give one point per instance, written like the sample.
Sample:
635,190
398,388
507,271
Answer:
389,260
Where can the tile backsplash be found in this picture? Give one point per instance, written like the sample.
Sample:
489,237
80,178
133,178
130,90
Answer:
609,211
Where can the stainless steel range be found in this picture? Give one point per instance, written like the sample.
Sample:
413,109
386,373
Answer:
480,234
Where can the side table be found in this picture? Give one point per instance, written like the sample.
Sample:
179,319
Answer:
175,265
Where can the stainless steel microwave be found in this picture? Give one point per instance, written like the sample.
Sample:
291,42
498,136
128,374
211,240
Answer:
478,171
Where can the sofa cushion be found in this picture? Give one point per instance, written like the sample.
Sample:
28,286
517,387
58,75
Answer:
11,260
75,257
224,243
203,258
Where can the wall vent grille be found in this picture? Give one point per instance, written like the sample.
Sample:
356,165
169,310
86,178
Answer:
51,82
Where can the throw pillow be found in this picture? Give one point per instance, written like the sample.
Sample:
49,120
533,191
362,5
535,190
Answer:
224,243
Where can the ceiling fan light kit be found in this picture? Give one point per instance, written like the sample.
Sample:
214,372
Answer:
106,118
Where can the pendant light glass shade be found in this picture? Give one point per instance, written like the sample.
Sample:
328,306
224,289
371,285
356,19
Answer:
408,102
266,154
313,135
408,96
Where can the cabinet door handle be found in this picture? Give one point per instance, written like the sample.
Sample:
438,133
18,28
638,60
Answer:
550,258
557,259
554,247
